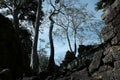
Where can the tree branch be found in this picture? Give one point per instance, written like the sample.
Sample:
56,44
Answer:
5,3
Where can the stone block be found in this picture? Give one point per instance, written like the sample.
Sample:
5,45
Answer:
104,68
81,75
117,64
108,32
116,20
108,59
116,74
107,75
116,4
96,61
116,39
114,52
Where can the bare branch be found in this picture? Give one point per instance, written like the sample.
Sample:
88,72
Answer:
5,3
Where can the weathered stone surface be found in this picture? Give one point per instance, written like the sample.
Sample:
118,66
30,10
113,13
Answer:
103,73
107,33
104,68
115,22
112,53
115,4
111,12
116,52
96,61
117,64
116,39
108,58
81,75
116,74
107,75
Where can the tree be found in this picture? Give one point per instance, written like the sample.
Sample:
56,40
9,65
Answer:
15,7
74,17
26,10
51,65
34,57
96,27
64,30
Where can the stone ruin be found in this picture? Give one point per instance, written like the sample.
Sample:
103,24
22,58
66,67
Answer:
105,63
105,58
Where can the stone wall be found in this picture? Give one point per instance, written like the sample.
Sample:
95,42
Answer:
110,64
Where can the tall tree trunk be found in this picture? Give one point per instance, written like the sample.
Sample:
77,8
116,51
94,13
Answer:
69,42
34,55
51,65
75,45
16,20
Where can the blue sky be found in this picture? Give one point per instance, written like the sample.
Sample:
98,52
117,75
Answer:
60,47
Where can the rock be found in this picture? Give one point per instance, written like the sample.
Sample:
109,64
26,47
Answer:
111,54
115,51
103,73
5,74
96,61
104,68
107,75
117,64
116,74
108,59
107,33
81,75
12,54
116,39
70,56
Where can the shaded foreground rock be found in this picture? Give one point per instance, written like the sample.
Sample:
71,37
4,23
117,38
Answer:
12,54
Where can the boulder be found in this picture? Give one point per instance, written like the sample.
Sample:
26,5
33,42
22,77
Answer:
96,61
108,59
104,68
117,64
108,33
5,74
12,54
107,75
116,74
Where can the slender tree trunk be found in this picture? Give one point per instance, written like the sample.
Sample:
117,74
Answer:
69,42
51,65
75,45
16,20
34,55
